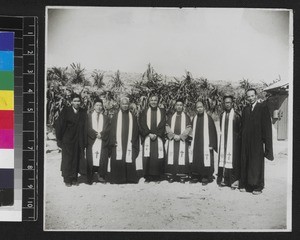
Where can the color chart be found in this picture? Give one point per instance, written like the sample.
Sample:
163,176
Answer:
6,118
18,103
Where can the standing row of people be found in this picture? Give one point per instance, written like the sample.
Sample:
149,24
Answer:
173,147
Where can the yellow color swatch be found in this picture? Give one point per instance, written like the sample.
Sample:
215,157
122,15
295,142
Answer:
6,100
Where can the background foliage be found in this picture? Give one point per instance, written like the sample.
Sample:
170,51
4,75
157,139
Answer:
63,81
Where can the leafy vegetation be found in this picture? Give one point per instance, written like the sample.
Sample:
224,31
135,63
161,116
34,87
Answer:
63,81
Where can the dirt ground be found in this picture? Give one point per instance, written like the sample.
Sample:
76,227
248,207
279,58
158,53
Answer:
165,206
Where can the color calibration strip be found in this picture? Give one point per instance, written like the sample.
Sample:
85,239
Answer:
6,118
25,106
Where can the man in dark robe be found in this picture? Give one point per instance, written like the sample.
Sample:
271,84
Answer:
97,143
152,128
257,144
124,143
70,134
178,128
204,141
229,157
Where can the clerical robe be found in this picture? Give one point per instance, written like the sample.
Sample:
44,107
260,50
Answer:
257,144
153,120
124,144
202,161
229,154
70,133
97,155
177,160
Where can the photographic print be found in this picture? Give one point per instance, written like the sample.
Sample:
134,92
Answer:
168,119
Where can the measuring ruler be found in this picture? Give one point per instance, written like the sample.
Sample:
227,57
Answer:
29,119
25,96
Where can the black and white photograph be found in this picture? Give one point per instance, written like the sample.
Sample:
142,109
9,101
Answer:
168,119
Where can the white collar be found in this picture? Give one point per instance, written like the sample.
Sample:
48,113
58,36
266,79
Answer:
75,110
253,105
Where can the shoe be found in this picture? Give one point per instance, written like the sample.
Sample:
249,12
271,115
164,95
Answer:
100,179
68,184
193,180
205,181
89,182
75,183
242,190
256,192
223,184
170,180
235,184
182,181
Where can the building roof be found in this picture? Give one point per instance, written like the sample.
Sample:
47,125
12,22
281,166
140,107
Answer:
277,86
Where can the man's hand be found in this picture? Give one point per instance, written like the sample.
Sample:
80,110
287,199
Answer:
152,136
177,138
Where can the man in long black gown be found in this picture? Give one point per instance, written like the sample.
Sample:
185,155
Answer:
229,155
124,143
70,134
97,143
152,128
178,128
204,141
257,144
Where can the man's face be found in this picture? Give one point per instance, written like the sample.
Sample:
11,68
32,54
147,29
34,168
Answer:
251,96
179,107
228,104
124,105
199,107
98,107
75,102
153,101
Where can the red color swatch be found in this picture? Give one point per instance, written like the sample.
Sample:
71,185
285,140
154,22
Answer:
6,119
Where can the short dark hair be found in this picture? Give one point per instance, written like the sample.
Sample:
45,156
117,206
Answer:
228,96
98,100
251,89
75,95
180,100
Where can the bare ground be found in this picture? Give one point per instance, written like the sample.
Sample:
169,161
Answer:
165,206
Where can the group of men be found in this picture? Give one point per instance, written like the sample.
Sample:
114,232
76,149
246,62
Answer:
174,147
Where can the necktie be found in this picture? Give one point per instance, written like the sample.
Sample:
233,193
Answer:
98,117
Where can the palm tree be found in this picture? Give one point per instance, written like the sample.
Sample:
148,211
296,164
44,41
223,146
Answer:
98,77
58,74
77,74
117,83
245,84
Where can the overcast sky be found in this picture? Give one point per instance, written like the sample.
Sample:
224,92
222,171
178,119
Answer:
219,44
